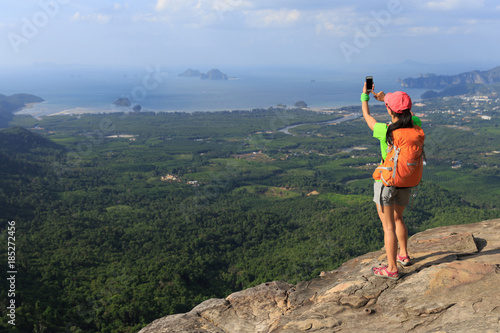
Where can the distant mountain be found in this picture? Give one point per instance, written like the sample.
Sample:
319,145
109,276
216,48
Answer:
454,90
433,81
18,100
13,103
213,74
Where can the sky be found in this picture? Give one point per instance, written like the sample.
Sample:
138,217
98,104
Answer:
309,33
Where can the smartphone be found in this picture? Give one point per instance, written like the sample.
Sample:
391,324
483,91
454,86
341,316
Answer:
369,84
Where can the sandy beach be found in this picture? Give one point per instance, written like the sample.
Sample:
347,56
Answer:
38,110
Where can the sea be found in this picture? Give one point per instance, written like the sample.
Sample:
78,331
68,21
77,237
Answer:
93,90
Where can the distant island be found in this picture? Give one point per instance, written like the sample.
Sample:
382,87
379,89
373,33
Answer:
213,74
14,103
124,101
452,85
191,73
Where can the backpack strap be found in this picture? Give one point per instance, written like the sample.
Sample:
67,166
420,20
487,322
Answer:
384,181
396,156
382,177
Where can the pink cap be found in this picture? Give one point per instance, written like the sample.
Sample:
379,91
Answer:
398,101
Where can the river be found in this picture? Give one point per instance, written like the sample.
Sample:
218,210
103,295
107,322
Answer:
350,117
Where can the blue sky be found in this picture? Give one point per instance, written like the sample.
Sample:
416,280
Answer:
338,34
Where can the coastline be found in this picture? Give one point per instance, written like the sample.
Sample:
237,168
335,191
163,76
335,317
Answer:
29,105
77,111
37,110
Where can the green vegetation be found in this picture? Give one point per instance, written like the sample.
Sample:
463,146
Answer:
125,218
13,103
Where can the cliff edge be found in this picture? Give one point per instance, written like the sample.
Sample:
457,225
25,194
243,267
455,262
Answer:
452,286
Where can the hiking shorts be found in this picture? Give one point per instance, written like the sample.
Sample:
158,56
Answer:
386,196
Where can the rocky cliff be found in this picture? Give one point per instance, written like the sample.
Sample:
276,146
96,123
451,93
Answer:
452,286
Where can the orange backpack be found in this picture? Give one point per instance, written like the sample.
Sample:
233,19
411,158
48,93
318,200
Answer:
404,163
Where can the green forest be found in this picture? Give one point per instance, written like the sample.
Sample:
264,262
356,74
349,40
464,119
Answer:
123,218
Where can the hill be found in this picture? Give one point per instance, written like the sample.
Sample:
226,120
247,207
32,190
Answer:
17,140
13,103
24,155
451,287
27,172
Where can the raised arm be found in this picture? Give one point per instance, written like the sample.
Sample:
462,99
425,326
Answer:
370,121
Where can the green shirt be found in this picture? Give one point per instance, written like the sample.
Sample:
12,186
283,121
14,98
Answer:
380,132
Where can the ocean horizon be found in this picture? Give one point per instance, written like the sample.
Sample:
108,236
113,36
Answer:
72,91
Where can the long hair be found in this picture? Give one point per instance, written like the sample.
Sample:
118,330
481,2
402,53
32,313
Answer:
404,121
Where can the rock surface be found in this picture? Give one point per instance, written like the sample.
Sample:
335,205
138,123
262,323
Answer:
452,286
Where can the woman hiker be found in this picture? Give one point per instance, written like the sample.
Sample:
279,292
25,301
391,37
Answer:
391,201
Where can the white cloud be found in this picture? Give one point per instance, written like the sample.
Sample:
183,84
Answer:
446,5
197,5
175,5
420,31
192,13
434,30
230,5
147,17
96,17
272,18
338,22
118,6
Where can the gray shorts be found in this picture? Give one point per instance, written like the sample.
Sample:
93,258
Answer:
386,196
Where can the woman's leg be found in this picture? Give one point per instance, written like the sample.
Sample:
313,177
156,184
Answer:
401,230
386,214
